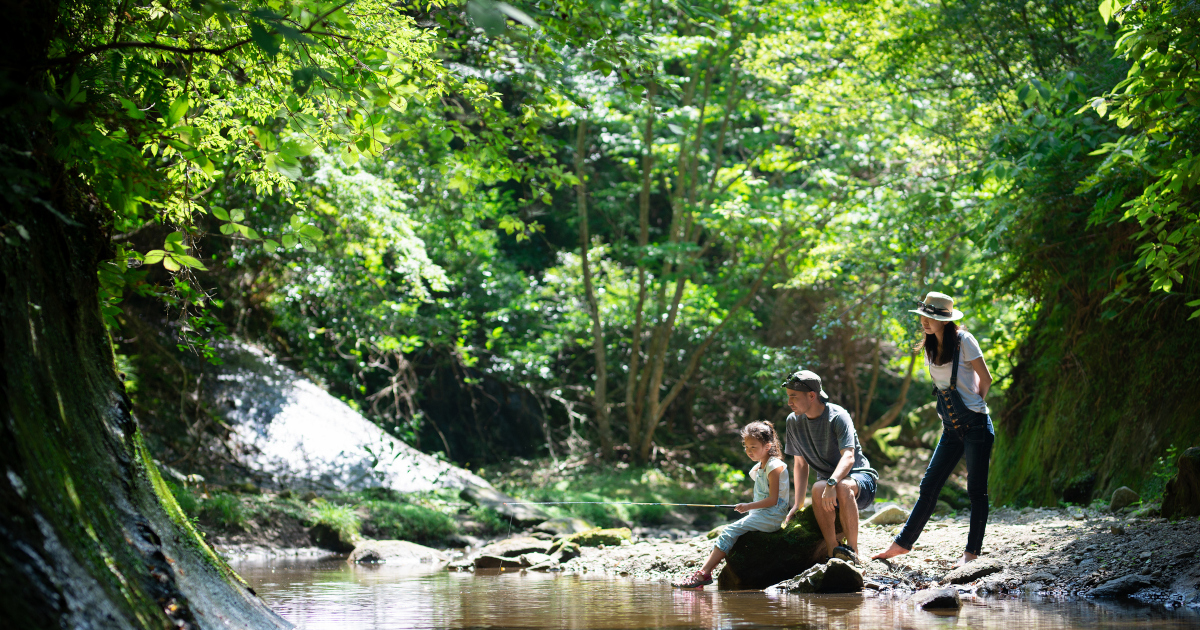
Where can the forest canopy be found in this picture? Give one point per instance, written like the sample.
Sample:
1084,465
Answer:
639,215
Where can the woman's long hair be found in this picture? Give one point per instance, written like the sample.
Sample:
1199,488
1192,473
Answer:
941,355
764,432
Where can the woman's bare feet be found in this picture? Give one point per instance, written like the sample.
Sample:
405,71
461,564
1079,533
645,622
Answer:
966,557
890,552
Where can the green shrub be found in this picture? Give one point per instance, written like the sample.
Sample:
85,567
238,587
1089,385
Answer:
340,518
223,510
491,520
1160,473
402,521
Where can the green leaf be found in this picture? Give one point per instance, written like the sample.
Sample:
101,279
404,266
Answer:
174,237
289,241
312,232
237,216
1106,9
153,257
188,261
177,110
518,15
270,245
220,213
171,264
263,39
228,228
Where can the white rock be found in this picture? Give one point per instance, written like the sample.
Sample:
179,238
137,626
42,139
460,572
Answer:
888,514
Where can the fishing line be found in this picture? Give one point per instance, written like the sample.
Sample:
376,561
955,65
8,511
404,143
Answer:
702,505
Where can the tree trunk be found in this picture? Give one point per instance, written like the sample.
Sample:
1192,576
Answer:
601,388
90,536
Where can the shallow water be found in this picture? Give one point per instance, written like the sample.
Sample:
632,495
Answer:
316,595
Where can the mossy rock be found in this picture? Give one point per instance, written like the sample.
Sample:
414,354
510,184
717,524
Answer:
955,496
596,537
761,559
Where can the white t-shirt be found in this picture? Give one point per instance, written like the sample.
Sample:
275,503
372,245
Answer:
968,380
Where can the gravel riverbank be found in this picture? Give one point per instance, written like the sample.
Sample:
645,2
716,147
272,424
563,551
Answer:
1032,550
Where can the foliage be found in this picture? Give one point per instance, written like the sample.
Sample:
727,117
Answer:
398,521
1163,470
341,519
222,510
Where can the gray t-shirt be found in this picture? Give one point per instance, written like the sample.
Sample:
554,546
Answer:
820,441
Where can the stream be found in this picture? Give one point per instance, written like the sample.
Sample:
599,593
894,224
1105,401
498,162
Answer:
329,593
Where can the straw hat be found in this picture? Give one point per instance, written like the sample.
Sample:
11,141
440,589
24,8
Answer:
938,306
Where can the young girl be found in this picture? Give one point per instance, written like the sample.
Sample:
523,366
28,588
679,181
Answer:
961,380
770,504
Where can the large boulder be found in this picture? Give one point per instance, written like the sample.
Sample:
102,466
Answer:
835,576
1182,496
1122,498
888,514
761,559
394,552
289,433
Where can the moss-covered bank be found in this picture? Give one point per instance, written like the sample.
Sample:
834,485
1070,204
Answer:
1095,403
89,535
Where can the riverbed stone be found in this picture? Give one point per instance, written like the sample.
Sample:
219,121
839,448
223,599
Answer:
937,599
597,536
972,571
1182,495
834,576
942,508
533,559
889,514
565,550
1120,587
514,547
497,562
394,552
564,526
761,559
1121,498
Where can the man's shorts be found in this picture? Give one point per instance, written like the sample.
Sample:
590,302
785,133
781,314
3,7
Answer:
866,489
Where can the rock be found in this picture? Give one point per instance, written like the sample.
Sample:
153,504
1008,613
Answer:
565,551
1149,510
489,497
972,571
937,599
514,547
497,562
326,537
549,565
534,559
597,537
288,430
835,576
1121,498
942,508
889,514
394,552
955,496
1121,586
715,532
1117,530
761,559
1182,495
564,526
1076,512
1043,576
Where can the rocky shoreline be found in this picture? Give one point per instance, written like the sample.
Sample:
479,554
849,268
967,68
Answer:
1058,552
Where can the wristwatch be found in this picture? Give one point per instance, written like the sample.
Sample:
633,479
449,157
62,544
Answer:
830,482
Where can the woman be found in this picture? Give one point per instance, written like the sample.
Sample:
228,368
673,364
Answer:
961,380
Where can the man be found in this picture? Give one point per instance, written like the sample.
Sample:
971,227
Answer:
820,434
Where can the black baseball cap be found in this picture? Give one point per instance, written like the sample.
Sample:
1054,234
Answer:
806,381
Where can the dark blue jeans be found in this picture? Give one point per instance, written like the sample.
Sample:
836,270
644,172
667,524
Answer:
973,442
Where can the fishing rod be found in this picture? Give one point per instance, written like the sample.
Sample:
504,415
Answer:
701,505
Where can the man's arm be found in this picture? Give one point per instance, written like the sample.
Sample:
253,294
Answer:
800,481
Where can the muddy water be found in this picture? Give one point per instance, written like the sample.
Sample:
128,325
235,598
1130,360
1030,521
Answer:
316,595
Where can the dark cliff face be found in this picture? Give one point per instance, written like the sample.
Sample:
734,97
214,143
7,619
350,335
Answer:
89,537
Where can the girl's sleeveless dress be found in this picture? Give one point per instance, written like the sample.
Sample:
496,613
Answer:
766,519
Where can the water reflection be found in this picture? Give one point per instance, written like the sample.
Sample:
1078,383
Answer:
332,594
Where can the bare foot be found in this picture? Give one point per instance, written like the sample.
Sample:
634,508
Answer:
894,550
966,557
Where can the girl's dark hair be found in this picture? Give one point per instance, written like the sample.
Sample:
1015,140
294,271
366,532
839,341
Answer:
764,432
942,355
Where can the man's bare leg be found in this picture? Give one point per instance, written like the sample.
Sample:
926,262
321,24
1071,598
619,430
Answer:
825,517
848,503
890,552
